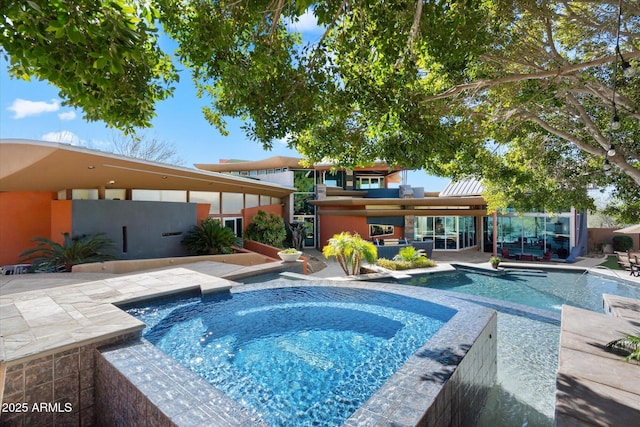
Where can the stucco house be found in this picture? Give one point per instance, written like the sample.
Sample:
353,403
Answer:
47,189
330,200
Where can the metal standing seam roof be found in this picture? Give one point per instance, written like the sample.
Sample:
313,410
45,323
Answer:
464,187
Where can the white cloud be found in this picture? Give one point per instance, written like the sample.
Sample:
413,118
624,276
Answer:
23,108
64,136
306,24
67,115
285,141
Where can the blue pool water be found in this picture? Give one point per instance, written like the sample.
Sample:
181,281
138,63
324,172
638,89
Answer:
296,356
545,290
527,341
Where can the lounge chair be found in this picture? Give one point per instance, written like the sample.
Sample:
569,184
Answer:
634,263
623,260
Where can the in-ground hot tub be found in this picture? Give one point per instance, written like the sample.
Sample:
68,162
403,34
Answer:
299,352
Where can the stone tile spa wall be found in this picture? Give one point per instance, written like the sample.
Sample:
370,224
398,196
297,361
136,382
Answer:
53,390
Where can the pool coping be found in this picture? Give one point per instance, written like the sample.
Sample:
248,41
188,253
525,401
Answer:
38,323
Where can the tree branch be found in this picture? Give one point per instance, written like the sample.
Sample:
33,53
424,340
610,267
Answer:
591,127
619,159
326,32
414,31
480,84
561,134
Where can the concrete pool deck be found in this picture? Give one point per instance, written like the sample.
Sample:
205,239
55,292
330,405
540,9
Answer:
49,337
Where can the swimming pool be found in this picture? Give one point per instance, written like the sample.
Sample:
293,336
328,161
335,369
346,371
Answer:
296,356
546,290
528,304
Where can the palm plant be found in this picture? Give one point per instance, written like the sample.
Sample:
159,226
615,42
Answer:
630,343
210,238
410,254
349,251
52,256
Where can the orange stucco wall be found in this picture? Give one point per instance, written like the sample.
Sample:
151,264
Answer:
202,212
61,219
334,224
23,216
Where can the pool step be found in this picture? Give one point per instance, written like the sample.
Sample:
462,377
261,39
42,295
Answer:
525,272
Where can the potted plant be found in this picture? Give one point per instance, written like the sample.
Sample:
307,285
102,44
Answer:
289,255
494,261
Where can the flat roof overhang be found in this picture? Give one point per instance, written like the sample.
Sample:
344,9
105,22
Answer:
468,201
270,163
403,212
27,165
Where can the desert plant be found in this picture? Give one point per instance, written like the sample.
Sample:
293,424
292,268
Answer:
349,251
630,343
52,256
409,253
267,228
210,238
622,243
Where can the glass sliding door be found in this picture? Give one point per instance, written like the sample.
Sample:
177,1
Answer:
447,232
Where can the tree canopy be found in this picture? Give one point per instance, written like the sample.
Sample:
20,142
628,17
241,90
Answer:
519,93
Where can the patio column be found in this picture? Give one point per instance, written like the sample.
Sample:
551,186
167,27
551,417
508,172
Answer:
495,233
406,192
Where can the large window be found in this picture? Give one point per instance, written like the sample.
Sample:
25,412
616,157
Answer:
333,179
367,183
251,200
232,203
159,195
447,232
210,197
530,234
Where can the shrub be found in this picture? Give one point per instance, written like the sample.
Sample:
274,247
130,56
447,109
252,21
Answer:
409,253
622,243
52,256
399,264
387,263
423,262
210,238
266,228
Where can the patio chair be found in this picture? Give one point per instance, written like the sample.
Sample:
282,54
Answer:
546,256
505,254
623,260
634,263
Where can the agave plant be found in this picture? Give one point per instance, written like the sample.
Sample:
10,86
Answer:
630,343
52,256
210,238
349,251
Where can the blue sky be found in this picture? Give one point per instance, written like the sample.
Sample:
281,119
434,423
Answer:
33,110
